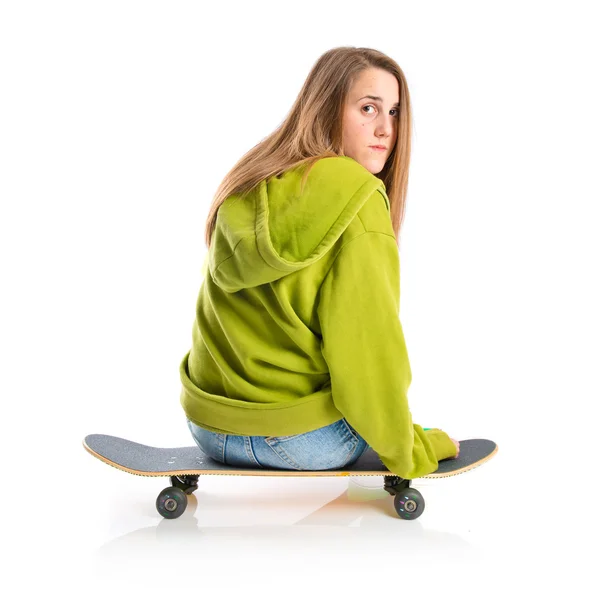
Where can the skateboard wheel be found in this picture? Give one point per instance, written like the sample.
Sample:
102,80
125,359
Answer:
171,503
409,504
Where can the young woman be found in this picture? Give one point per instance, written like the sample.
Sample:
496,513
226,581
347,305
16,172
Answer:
298,359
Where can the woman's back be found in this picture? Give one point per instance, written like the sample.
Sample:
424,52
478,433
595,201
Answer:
297,322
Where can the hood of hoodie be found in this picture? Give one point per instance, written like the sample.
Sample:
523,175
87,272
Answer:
277,230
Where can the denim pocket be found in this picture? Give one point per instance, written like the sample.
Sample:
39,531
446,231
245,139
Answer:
330,447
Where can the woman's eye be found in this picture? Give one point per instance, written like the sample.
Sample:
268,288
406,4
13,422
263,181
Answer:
371,106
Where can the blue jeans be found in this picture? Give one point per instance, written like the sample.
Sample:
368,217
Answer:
331,447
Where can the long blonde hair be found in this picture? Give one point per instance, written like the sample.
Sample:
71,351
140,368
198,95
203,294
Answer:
313,130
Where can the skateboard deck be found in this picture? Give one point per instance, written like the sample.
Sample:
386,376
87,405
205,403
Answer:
185,464
159,462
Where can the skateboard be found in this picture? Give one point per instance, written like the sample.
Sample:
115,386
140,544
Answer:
185,465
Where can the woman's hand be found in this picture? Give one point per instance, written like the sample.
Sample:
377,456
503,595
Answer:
457,444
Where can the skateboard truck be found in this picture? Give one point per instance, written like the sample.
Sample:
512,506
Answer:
394,484
186,483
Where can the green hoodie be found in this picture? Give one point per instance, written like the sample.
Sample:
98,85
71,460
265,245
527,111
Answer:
297,321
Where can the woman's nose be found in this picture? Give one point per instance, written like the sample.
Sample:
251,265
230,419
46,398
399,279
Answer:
386,125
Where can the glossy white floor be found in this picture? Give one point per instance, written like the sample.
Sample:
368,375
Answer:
491,532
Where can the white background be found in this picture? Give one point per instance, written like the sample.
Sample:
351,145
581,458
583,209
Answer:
119,120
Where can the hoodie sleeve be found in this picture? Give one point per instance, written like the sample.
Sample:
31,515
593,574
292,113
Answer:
363,345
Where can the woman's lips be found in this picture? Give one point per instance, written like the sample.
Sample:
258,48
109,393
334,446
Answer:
377,149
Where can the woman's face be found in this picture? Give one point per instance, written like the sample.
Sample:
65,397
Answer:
369,122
